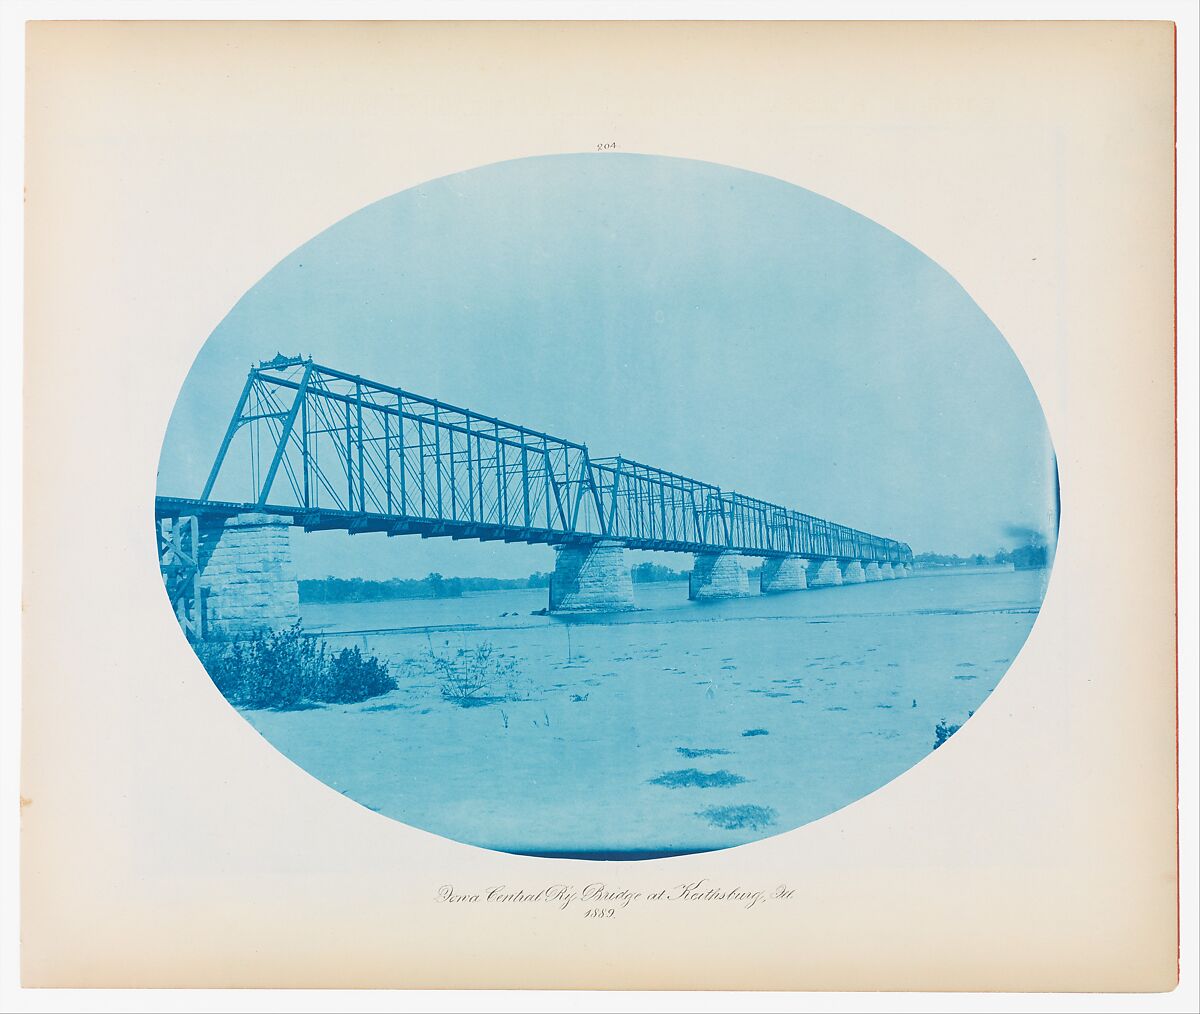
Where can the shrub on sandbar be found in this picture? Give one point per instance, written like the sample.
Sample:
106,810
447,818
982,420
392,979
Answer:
286,670
740,818
690,778
943,731
473,677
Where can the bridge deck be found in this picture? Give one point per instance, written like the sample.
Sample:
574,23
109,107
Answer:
361,524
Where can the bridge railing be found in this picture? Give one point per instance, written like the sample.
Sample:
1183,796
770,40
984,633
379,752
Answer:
312,439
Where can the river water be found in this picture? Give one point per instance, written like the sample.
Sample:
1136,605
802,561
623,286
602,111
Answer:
681,727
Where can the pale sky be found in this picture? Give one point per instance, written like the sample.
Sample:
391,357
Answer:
707,320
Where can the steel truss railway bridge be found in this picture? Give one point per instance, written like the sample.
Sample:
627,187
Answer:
316,448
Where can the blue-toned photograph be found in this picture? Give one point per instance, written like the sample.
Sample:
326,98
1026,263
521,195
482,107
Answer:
606,506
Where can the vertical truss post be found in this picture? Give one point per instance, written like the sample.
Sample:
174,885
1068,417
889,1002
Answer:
525,482
453,479
501,478
421,459
470,472
400,451
362,480
437,457
304,447
387,460
349,464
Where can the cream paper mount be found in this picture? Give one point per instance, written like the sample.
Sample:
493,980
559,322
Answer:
171,166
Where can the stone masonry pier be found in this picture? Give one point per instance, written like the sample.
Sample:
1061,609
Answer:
853,573
872,572
591,579
718,576
784,573
824,574
247,578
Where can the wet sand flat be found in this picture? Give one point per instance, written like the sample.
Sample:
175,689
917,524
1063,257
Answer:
680,729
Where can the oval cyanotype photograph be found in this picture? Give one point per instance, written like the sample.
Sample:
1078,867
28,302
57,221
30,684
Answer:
606,506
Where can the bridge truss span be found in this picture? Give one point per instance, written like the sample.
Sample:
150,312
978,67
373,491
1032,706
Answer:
327,449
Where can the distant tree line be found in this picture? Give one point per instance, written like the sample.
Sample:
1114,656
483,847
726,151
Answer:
954,560
435,586
1022,558
644,573
432,586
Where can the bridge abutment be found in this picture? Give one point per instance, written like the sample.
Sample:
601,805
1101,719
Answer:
247,577
872,572
783,573
824,574
591,579
853,573
718,576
